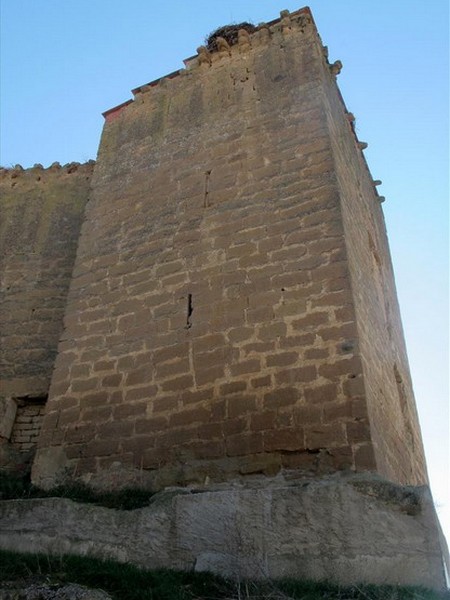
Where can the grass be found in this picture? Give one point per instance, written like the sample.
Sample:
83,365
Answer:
127,582
14,487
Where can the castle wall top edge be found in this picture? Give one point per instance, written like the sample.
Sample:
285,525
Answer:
54,168
193,60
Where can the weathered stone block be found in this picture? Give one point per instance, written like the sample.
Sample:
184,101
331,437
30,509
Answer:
244,444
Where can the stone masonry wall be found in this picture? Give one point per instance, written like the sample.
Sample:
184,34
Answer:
395,429
27,424
221,315
210,329
41,213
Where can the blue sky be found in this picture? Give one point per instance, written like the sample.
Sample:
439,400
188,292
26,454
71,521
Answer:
64,63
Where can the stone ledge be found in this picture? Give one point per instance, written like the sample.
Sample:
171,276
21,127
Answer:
345,529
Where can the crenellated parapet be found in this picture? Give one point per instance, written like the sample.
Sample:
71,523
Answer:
37,173
228,44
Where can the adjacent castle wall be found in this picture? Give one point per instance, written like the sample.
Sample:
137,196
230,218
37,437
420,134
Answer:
42,210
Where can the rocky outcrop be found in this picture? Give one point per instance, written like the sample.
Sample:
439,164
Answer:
346,530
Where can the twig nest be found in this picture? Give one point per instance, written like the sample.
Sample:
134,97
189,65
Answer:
229,33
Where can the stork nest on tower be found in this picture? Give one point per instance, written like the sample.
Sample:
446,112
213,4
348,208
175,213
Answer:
229,33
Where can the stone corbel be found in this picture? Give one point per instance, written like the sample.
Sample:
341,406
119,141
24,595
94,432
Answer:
244,40
285,21
352,120
223,46
204,56
263,33
336,68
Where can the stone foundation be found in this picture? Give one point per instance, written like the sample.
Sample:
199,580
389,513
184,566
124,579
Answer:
345,529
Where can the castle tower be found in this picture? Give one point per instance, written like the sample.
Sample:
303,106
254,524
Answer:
232,310
231,327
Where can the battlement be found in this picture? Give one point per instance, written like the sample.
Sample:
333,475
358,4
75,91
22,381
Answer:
241,44
37,173
236,46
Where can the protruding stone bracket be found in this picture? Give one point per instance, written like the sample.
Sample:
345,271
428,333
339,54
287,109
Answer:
204,56
362,145
351,119
223,47
336,68
263,33
285,21
376,183
244,40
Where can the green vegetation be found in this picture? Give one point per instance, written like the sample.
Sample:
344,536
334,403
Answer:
13,487
126,582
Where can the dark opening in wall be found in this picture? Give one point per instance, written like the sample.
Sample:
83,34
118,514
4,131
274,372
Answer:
190,310
28,422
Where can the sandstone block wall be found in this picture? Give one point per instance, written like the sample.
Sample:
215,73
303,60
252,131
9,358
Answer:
41,214
395,430
214,317
27,424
